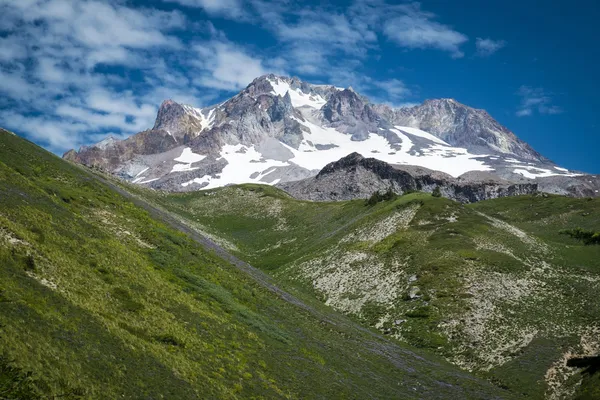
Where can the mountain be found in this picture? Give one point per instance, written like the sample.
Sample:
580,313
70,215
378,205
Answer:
104,295
463,126
495,286
356,177
281,129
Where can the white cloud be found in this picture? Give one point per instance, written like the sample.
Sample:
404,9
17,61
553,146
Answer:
536,100
487,47
417,30
228,8
312,36
226,66
73,71
394,88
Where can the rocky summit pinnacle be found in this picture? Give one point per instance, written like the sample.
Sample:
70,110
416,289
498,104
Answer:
280,129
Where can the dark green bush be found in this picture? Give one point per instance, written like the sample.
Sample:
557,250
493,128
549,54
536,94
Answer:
127,302
170,340
437,192
588,237
378,197
29,262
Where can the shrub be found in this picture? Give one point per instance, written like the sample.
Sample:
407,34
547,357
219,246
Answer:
16,383
127,302
422,312
378,197
437,192
29,263
170,340
588,237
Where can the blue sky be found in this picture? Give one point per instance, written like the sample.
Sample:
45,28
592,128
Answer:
72,72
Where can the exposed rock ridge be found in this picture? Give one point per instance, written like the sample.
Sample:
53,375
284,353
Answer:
356,177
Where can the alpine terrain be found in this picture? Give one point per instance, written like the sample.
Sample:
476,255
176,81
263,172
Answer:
281,129
104,296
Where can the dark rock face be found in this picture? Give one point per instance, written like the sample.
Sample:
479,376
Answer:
356,177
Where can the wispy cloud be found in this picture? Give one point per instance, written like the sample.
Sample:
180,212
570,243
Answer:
224,65
487,47
414,28
228,8
536,100
392,91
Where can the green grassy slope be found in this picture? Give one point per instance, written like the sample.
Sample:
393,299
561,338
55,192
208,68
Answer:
99,300
493,287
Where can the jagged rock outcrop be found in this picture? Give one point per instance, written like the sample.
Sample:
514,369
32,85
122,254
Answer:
357,177
181,122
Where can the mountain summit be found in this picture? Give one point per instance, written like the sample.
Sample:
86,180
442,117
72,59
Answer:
280,129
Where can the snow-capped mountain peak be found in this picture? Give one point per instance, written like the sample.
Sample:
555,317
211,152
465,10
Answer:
281,129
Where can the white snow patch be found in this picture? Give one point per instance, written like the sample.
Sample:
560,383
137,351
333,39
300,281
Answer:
423,134
148,181
244,165
561,169
138,177
205,178
189,157
512,160
170,134
182,168
451,160
141,172
298,97
535,172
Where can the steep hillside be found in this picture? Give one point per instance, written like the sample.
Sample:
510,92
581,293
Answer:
100,300
493,287
281,129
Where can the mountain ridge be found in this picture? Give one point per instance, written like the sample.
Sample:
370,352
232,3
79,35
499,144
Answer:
281,129
356,177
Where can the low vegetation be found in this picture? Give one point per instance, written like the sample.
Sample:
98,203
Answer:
98,300
378,197
587,237
493,286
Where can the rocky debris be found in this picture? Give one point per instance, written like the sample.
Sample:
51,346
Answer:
356,177
348,112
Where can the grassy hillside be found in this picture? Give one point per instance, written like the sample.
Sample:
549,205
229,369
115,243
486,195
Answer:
494,287
99,300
